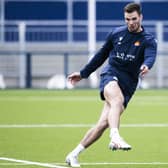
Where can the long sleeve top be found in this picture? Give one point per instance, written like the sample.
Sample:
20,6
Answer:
126,52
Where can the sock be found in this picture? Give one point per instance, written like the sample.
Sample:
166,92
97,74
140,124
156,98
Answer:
78,150
114,132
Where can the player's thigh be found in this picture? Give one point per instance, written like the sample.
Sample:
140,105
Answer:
112,92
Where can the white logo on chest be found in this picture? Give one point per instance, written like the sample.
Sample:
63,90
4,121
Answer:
120,39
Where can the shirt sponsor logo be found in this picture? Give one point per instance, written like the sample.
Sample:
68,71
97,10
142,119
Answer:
126,57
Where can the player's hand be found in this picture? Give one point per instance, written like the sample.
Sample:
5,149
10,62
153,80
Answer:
144,70
74,78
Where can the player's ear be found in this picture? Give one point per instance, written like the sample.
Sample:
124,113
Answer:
141,17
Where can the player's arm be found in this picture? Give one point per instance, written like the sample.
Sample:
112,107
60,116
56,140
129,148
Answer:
94,63
98,59
149,57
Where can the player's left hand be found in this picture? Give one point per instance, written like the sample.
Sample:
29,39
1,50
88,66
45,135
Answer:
144,70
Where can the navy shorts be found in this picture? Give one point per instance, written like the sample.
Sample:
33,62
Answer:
127,85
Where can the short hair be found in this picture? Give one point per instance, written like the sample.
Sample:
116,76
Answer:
131,7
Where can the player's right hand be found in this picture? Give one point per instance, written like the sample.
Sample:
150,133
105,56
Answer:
144,70
74,78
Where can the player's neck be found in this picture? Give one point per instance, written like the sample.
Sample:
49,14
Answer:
139,29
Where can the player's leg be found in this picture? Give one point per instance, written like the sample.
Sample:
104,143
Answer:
115,98
94,133
90,137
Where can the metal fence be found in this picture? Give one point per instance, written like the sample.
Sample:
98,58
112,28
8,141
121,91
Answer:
24,65
61,31
41,67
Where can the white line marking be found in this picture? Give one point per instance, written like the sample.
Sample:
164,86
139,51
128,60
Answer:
50,98
120,163
13,164
127,163
45,125
31,163
145,125
93,164
76,125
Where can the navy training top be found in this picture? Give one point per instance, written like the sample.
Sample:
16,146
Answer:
127,51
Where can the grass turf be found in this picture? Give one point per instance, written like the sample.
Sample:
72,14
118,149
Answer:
51,144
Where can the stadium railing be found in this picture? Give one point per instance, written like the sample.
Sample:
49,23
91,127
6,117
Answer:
61,31
47,48
39,67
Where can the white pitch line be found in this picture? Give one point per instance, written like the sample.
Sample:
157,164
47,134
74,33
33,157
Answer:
31,163
119,163
51,98
93,163
12,164
145,125
45,125
126,163
76,125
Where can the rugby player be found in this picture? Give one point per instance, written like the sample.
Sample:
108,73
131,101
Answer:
131,52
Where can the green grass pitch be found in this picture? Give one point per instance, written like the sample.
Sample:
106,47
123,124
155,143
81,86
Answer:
44,125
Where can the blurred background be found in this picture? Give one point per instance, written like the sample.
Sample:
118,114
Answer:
42,41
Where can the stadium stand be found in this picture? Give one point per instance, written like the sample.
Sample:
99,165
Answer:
51,35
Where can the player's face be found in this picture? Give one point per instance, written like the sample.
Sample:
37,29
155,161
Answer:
133,21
